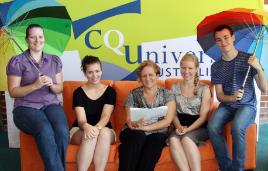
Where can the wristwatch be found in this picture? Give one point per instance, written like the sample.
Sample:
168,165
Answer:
98,126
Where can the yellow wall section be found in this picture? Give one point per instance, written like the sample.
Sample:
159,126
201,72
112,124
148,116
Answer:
159,20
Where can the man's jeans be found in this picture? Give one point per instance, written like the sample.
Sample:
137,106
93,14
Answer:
49,127
241,119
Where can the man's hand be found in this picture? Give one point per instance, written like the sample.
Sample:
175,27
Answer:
254,62
239,94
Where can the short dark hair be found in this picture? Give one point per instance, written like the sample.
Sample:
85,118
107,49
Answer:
32,26
89,59
221,27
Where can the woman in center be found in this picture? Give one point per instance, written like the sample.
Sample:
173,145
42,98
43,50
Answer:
142,143
193,103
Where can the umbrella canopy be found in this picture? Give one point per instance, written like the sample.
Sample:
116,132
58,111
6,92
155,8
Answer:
250,29
51,15
15,16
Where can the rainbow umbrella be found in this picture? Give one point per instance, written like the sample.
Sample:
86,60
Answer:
250,30
16,15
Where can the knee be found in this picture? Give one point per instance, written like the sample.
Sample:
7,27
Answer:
63,132
173,138
238,130
213,128
105,135
44,131
186,140
173,141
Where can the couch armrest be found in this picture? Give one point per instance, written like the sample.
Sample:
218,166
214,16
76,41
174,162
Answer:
251,143
29,155
213,107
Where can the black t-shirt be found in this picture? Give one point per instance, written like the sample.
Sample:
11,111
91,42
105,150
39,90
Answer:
93,108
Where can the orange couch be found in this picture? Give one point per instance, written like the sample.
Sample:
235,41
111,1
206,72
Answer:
30,159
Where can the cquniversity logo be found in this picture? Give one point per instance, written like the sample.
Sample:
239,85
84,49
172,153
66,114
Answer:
105,45
122,42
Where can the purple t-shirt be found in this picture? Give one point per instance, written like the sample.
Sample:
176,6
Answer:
21,66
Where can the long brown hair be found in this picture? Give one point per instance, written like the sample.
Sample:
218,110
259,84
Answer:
191,57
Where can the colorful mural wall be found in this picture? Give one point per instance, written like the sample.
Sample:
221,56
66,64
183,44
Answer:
125,32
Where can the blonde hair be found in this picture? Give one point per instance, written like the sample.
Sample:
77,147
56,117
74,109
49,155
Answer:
145,64
191,57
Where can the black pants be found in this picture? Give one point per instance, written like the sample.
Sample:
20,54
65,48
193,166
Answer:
138,152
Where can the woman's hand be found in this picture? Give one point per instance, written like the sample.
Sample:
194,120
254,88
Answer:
181,130
90,131
43,80
46,80
137,124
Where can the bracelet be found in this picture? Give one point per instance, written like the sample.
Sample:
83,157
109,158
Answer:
82,126
98,126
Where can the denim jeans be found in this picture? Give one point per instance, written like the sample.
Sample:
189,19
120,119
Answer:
241,118
49,127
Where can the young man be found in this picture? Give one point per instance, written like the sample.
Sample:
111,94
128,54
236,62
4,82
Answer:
237,105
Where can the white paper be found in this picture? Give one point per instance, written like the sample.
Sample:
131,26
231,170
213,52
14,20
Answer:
150,115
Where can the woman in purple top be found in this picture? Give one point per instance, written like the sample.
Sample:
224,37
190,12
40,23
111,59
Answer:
34,80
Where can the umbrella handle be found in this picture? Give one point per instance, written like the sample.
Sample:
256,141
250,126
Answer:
241,88
245,79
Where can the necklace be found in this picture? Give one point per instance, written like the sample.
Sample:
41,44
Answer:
30,58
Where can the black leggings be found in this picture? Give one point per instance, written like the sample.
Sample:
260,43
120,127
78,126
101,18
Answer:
138,152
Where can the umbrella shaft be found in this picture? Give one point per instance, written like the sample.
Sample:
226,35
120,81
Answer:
257,43
258,40
17,44
245,79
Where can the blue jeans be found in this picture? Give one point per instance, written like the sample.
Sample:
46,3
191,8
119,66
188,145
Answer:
49,127
241,119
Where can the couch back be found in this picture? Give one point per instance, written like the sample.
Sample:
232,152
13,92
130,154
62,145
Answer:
170,81
122,89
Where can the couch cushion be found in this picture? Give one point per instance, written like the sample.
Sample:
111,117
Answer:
206,151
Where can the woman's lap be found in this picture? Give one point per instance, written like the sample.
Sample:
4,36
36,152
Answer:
198,135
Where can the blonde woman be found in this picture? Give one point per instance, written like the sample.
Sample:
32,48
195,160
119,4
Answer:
193,104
